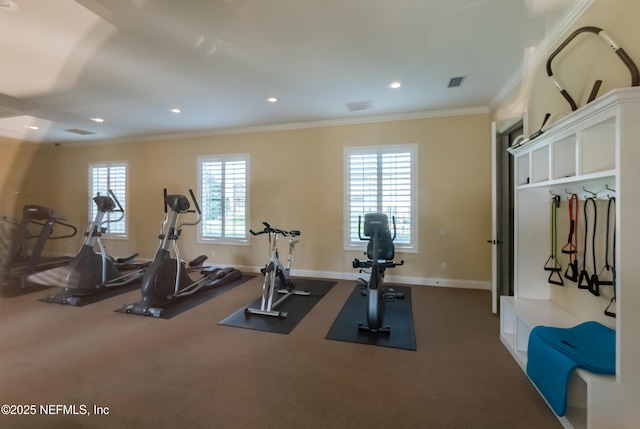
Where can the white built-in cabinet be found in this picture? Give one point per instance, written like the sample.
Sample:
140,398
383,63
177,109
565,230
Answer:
594,149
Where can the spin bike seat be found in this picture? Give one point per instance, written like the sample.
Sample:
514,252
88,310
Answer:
294,233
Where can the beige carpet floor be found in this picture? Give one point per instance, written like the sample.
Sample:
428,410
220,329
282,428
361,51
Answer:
190,372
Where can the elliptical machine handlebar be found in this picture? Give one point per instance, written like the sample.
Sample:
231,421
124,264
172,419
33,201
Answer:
197,211
120,209
269,229
195,202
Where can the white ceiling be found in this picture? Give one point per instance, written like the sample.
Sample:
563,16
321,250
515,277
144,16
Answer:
130,61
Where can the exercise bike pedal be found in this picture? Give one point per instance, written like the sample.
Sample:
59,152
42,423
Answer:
391,295
279,314
386,330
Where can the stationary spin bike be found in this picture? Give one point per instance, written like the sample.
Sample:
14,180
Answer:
380,253
276,276
166,280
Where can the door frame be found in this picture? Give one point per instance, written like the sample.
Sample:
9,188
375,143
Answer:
502,223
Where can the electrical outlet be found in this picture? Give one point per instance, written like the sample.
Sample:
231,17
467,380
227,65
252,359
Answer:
443,265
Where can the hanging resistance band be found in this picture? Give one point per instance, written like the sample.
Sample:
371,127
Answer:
584,274
611,215
552,264
571,248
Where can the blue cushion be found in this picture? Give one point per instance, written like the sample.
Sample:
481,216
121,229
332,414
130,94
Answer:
554,352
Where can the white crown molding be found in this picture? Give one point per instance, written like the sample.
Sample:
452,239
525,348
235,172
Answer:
543,49
291,126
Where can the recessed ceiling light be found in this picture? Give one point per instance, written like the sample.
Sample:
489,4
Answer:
32,127
97,119
174,110
272,100
395,85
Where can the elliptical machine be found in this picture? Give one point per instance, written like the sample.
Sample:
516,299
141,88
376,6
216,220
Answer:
380,253
91,272
166,280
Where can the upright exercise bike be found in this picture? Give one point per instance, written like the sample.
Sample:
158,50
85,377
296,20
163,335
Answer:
380,253
167,280
277,278
92,272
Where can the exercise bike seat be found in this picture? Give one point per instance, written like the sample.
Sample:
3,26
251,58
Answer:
376,226
294,233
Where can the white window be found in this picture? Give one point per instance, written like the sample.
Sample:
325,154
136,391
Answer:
224,198
382,179
102,178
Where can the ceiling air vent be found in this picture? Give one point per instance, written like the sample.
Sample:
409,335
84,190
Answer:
79,131
360,105
456,81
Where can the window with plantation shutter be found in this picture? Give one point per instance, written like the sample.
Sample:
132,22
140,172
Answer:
382,179
102,178
224,198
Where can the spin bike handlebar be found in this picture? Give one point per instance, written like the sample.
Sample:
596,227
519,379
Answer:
269,229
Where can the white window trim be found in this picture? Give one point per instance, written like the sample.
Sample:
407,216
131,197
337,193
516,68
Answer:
227,157
400,248
92,165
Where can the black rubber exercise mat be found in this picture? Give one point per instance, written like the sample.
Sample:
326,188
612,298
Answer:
297,307
180,306
398,316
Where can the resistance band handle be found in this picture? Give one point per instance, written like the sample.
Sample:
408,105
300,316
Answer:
584,276
572,271
552,264
594,285
556,278
570,248
606,310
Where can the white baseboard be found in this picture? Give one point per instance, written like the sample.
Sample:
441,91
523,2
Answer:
414,281
417,281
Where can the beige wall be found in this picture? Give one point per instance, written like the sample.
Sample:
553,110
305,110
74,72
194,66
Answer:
16,159
297,183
